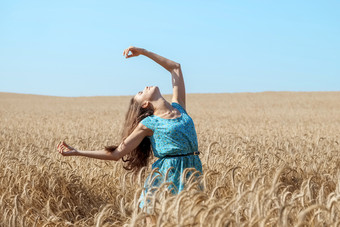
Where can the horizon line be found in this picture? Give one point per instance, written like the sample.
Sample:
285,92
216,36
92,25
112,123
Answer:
207,93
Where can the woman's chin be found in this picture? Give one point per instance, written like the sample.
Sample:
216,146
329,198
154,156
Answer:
156,94
155,88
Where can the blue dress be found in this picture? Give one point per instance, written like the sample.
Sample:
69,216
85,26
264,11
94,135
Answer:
171,137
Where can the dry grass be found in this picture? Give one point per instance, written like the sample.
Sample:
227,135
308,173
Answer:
269,159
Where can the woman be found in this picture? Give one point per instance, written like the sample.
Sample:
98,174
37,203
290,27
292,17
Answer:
152,122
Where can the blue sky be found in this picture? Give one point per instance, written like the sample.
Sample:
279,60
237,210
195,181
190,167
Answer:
74,48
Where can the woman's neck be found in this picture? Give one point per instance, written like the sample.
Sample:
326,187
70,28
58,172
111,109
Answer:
162,108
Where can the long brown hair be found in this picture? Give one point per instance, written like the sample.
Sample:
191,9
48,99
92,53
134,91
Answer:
139,157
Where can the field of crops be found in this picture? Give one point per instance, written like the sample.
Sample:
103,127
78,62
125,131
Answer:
269,159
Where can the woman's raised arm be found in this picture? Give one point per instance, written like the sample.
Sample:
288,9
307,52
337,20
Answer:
174,68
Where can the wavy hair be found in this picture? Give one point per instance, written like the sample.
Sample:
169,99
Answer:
140,156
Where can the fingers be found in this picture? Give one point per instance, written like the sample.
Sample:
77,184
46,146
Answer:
62,147
69,147
59,146
127,55
127,50
124,53
66,145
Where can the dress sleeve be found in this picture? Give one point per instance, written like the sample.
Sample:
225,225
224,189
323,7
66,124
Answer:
179,107
148,122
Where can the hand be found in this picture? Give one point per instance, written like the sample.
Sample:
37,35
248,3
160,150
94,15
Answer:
65,149
135,51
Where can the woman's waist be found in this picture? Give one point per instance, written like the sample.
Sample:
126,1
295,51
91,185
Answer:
177,153
185,158
181,155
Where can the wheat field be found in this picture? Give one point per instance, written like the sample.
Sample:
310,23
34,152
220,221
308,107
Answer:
269,159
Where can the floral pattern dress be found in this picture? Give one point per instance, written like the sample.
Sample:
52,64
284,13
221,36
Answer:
171,137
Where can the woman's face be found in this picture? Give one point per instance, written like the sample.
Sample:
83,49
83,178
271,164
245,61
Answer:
148,94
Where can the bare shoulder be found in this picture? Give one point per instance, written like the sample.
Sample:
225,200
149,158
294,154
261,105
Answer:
145,130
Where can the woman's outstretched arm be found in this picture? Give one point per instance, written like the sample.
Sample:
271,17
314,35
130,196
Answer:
174,68
130,143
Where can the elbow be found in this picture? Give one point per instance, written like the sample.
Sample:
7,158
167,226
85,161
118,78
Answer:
176,66
114,157
111,153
